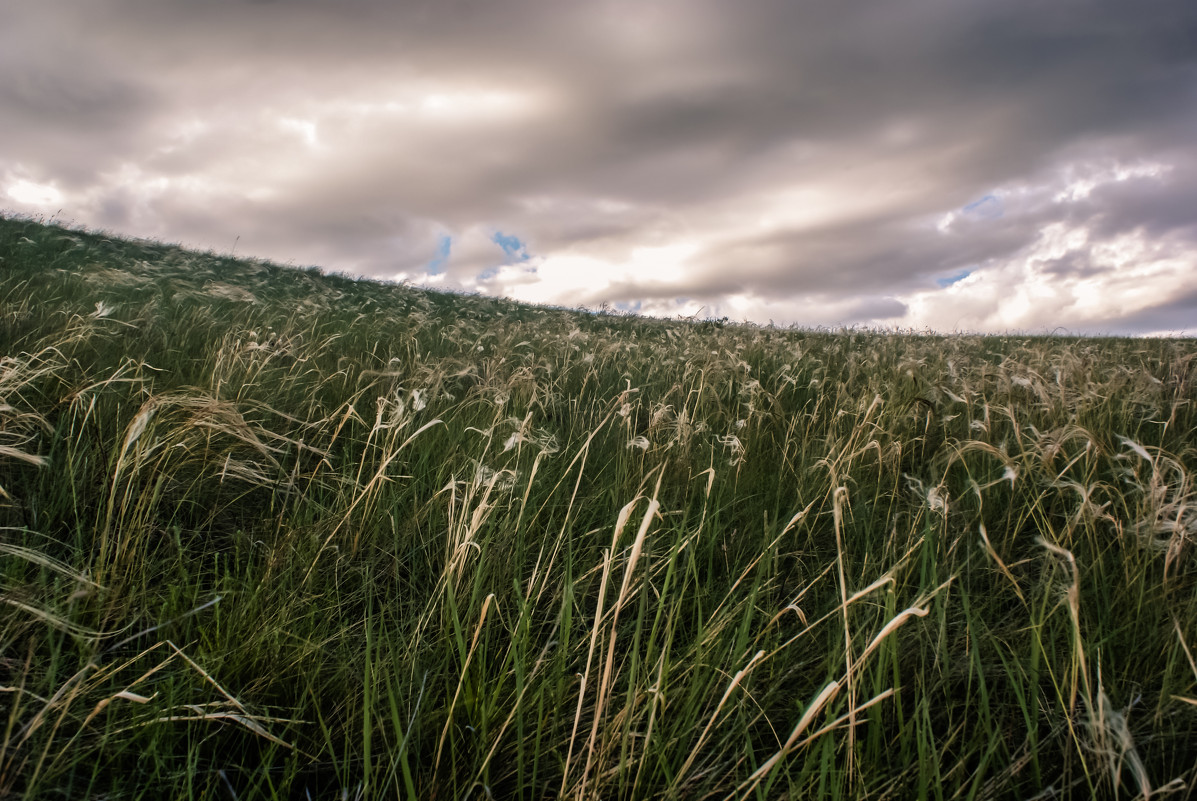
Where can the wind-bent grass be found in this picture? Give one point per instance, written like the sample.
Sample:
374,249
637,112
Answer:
273,534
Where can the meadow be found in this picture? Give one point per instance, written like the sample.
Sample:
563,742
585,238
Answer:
271,533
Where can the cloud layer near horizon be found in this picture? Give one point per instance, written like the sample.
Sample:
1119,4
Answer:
918,163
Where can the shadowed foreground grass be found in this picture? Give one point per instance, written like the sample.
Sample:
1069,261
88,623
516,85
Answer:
274,534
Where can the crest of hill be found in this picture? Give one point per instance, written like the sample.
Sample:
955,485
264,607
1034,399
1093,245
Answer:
119,269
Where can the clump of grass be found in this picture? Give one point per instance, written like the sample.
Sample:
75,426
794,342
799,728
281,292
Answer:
274,534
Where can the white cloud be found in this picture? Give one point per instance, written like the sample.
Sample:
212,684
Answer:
305,129
1081,179
1131,274
577,277
31,193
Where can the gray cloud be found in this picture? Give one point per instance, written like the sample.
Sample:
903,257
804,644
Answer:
1175,315
773,150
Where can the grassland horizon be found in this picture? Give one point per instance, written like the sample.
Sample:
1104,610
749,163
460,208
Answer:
271,533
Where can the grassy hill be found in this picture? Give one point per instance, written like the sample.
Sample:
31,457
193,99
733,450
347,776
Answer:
269,533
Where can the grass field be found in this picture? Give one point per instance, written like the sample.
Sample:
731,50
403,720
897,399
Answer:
269,533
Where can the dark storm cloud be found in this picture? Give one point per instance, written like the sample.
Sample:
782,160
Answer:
900,252
1176,314
858,153
70,110
83,99
1160,208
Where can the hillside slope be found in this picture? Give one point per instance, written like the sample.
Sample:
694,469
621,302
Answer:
269,533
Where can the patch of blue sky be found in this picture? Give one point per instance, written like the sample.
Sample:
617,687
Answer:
629,306
514,249
947,281
444,247
487,274
987,208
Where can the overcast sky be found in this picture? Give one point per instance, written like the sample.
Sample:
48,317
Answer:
959,165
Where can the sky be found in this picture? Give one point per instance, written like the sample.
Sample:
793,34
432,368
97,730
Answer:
948,165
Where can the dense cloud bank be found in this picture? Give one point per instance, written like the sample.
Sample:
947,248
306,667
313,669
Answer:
980,166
